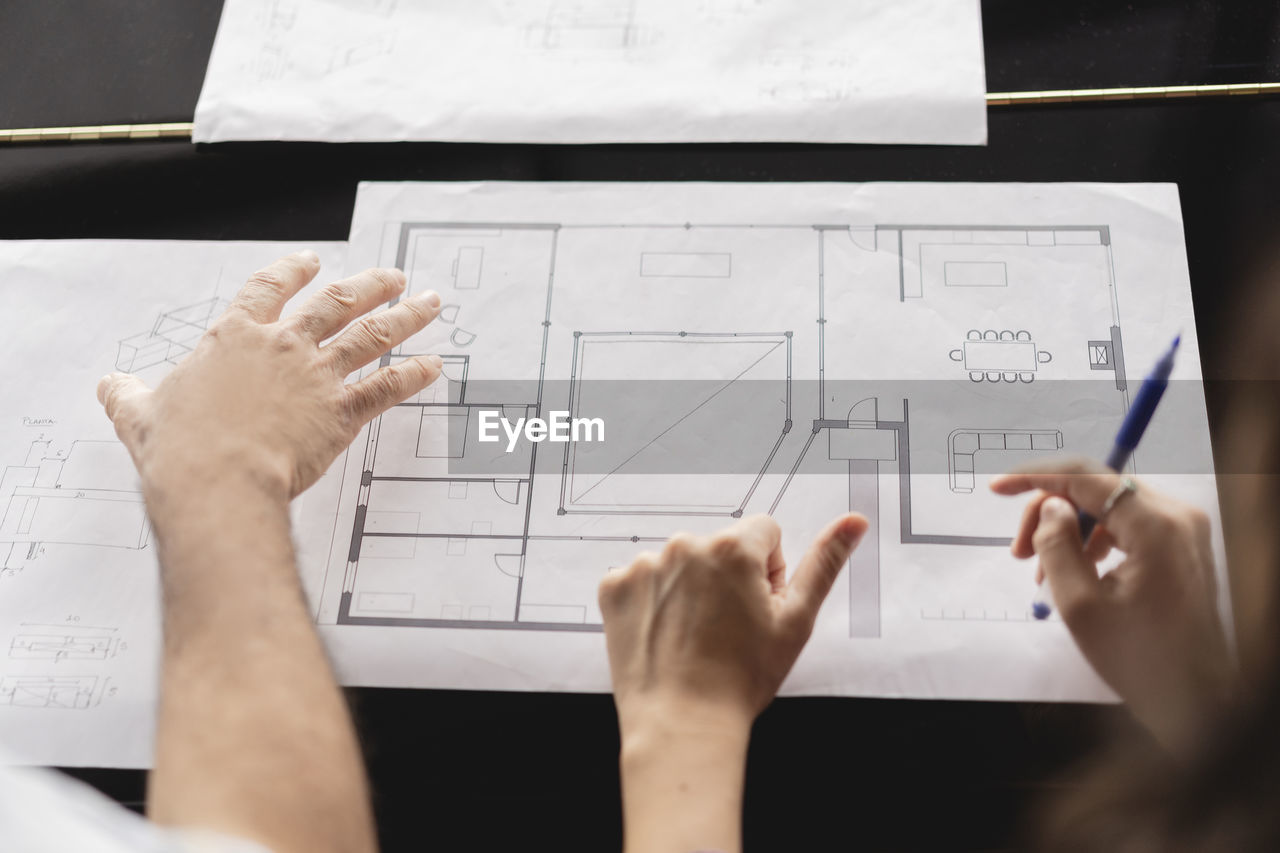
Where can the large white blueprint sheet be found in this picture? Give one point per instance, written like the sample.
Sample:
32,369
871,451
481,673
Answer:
576,71
79,592
885,348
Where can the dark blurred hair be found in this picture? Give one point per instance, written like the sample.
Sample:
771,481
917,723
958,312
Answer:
1226,796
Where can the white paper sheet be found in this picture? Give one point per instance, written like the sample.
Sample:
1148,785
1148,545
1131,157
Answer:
79,617
577,71
956,329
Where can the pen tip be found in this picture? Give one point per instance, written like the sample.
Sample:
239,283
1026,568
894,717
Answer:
1177,341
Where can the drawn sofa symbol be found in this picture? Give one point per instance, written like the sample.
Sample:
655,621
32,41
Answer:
965,444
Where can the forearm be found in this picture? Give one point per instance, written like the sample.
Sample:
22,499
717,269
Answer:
682,782
253,737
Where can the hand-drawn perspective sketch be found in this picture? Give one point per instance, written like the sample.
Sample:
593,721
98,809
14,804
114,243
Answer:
868,362
171,337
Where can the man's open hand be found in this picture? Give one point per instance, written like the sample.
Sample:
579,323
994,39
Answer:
265,397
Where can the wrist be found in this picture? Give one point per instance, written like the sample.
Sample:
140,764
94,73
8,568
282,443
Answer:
180,482
651,721
190,501
214,524
651,750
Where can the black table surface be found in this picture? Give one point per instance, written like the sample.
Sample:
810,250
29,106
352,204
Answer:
464,770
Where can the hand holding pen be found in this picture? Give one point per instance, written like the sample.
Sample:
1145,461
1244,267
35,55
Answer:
1150,626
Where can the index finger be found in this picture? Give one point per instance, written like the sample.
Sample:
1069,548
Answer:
1085,483
761,537
267,290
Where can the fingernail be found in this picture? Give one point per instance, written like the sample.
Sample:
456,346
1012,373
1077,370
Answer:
849,530
432,298
436,361
309,256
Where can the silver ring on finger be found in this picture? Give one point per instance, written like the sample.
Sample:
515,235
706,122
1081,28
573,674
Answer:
1126,486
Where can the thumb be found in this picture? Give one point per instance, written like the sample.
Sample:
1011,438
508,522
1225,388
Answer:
1072,575
820,567
122,396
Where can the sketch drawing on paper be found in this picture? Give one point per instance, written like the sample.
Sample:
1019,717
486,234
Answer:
69,642
173,335
423,540
282,55
586,25
87,495
68,692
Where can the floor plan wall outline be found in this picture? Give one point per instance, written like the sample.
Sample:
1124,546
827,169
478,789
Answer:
504,550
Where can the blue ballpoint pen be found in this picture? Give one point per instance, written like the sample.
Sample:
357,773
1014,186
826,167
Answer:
1131,430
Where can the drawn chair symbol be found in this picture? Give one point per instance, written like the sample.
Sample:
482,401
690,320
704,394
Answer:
957,355
1044,357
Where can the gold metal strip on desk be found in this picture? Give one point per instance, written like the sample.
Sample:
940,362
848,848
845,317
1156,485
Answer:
1137,93
97,132
182,129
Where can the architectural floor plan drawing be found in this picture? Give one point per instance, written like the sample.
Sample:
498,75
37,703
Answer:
842,348
423,501
796,350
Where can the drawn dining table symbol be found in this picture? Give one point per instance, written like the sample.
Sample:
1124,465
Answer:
1002,355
